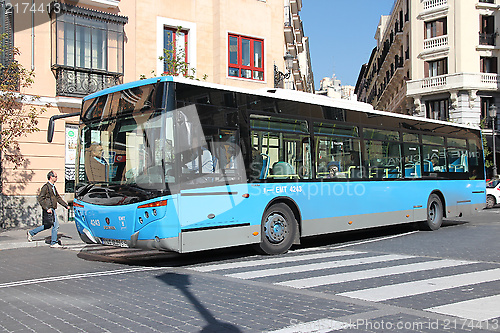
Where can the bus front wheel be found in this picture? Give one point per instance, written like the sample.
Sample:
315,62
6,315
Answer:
434,213
279,228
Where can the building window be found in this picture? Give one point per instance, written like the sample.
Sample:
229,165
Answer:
489,65
175,47
487,33
436,28
87,49
437,67
88,39
246,57
437,109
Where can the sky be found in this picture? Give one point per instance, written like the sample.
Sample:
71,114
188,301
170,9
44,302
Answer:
341,35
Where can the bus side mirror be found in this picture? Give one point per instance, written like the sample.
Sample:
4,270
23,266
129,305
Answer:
50,128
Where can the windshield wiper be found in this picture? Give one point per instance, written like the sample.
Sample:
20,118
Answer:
82,190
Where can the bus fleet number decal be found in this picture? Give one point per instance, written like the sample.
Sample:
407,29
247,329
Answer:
284,189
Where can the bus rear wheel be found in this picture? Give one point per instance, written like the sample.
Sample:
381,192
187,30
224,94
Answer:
279,229
434,213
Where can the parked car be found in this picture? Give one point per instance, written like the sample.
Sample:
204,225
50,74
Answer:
492,193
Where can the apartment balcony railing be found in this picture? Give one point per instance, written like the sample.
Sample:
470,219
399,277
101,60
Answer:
434,82
288,16
76,82
429,4
487,38
435,42
465,81
490,78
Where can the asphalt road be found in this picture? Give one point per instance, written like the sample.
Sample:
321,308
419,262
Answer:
389,279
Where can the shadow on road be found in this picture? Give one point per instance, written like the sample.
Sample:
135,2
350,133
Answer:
137,257
181,282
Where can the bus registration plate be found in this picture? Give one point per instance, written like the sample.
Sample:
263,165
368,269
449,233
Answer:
114,242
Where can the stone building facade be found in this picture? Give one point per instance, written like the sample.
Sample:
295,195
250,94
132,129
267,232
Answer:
436,59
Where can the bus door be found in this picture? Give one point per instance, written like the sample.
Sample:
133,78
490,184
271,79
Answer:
212,209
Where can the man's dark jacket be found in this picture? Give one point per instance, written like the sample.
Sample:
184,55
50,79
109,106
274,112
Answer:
47,199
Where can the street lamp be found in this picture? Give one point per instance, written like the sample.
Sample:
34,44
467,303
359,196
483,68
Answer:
288,61
280,76
493,115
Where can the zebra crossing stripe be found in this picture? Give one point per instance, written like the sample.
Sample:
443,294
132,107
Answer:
479,309
423,286
371,273
251,263
315,267
318,326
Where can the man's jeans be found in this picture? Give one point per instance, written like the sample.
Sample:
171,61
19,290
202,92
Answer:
55,229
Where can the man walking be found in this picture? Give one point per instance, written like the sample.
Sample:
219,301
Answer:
48,199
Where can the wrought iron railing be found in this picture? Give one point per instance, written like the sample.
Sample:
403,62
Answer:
78,82
487,38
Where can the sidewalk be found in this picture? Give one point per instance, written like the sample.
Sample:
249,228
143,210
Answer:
16,238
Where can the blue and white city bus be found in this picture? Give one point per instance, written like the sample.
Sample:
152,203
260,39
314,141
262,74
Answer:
179,165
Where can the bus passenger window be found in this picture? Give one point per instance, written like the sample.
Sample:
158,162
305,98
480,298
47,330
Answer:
457,155
280,148
384,159
434,159
341,154
476,169
457,160
412,165
337,151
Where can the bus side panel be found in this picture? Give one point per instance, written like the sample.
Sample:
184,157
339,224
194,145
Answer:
219,238
160,234
463,197
332,207
219,216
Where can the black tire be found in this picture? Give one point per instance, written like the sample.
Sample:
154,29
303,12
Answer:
490,201
434,213
278,229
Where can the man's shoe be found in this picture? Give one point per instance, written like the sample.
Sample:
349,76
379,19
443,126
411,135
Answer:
29,236
56,246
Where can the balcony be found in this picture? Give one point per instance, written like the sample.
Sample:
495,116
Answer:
444,83
79,82
431,4
487,38
434,47
433,9
436,42
296,21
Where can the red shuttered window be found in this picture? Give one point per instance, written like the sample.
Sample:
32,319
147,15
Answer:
246,57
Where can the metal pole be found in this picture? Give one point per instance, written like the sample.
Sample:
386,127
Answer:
494,150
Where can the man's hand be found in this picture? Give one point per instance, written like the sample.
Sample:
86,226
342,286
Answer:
49,211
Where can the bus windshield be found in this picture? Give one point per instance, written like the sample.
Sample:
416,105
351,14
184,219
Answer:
126,159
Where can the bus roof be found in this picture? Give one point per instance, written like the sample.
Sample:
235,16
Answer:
285,94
